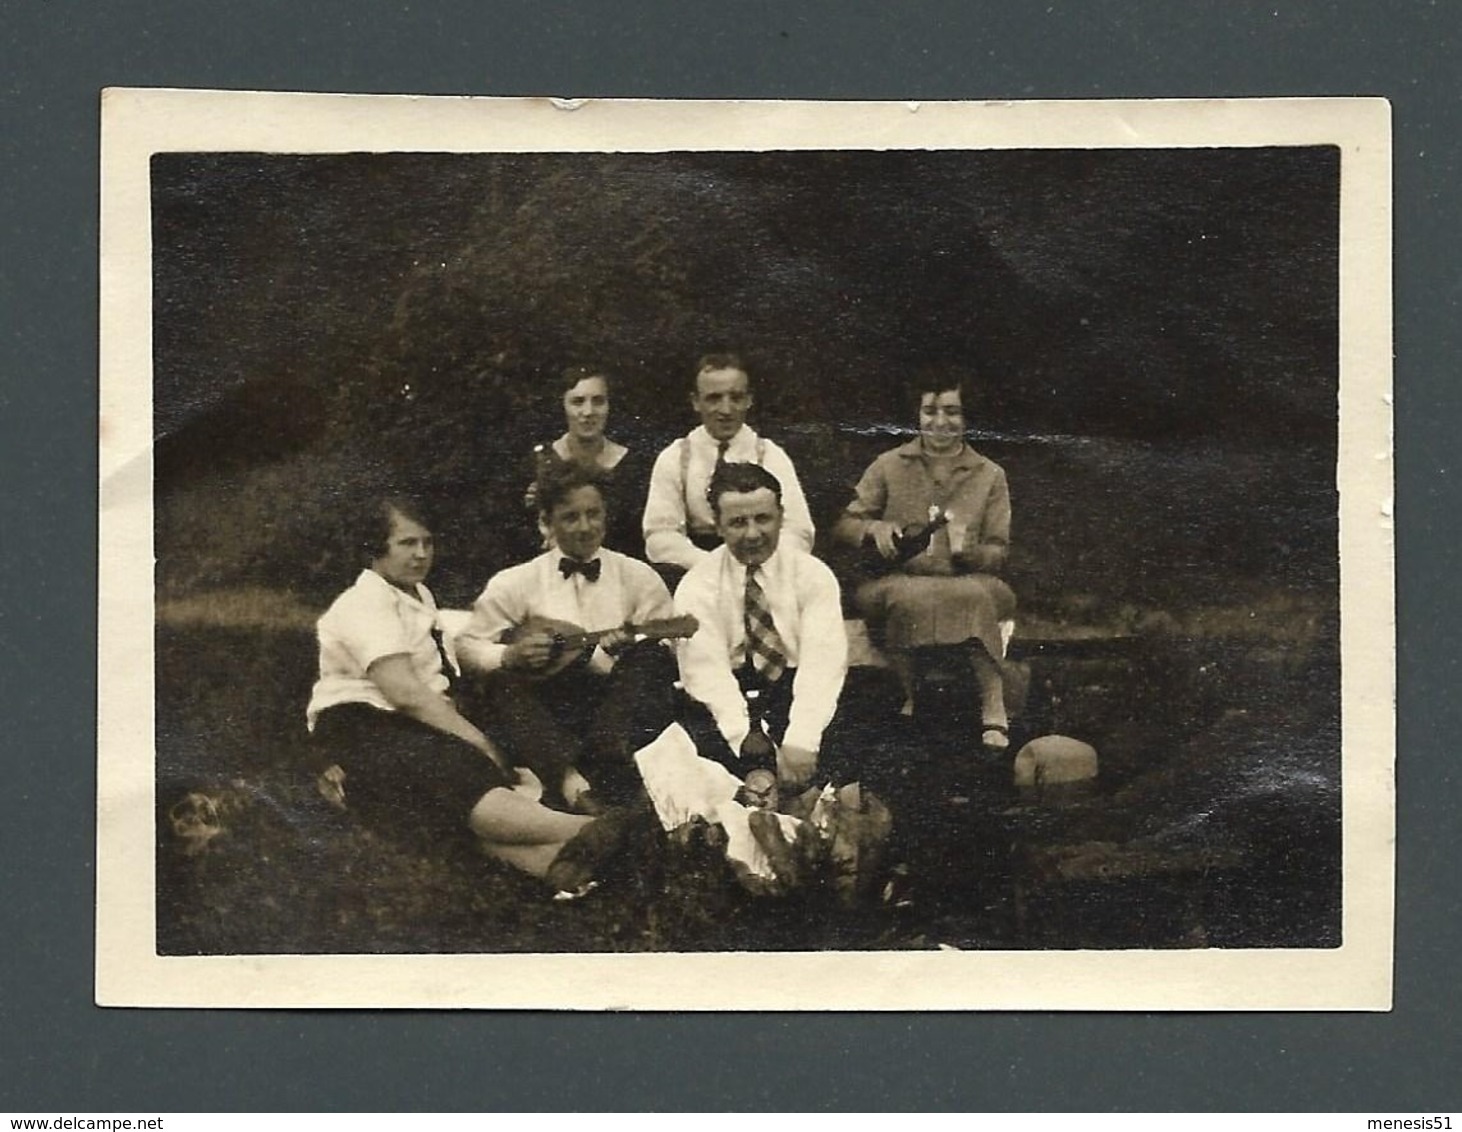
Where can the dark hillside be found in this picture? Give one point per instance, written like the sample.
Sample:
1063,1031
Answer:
337,321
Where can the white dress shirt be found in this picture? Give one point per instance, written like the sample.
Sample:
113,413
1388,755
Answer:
677,499
627,590
806,607
372,620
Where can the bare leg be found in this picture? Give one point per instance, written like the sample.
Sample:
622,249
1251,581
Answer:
992,699
521,832
535,860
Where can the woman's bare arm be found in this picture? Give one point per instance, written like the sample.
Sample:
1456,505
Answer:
405,692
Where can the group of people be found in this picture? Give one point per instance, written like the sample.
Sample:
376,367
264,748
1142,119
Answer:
579,659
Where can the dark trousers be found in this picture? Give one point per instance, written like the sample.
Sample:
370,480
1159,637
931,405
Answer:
770,704
578,718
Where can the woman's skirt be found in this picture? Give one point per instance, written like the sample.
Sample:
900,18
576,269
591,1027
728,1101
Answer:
401,775
907,611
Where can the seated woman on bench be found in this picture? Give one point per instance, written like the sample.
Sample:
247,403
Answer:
934,515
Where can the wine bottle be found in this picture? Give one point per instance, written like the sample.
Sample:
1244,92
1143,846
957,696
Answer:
911,542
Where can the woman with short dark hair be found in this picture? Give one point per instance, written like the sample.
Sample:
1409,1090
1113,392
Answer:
585,395
381,712
947,591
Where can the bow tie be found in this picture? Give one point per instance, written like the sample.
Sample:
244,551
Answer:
568,567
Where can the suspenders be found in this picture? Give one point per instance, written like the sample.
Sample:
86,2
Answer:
690,530
684,442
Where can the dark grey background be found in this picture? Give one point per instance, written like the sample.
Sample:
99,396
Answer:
58,1052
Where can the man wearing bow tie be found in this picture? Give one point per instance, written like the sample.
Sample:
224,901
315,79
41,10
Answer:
600,708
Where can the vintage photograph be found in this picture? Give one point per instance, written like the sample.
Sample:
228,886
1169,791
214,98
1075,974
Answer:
869,539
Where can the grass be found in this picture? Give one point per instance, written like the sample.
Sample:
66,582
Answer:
1214,822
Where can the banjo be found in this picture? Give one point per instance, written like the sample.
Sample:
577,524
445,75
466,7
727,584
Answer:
568,642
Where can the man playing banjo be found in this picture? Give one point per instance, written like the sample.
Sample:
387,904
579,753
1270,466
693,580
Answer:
569,648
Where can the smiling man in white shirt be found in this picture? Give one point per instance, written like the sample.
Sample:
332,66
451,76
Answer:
765,669
680,529
587,704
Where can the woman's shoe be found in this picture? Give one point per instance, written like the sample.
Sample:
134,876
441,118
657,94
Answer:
582,859
563,895
995,738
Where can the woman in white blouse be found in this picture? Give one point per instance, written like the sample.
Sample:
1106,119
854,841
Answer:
381,711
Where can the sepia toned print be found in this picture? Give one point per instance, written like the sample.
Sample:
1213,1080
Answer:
1114,727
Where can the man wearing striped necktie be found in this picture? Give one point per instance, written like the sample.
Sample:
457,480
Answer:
764,671
679,527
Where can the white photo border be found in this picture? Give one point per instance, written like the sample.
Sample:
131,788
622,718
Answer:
1358,975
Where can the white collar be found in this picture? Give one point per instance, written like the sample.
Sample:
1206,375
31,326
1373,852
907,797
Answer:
552,557
702,435
419,598
736,572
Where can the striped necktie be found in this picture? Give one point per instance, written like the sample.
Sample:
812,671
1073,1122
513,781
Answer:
764,647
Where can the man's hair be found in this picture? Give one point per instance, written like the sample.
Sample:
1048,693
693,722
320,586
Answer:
373,528
740,479
572,375
719,361
558,483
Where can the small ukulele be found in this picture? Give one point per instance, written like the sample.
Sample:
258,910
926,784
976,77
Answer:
569,642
